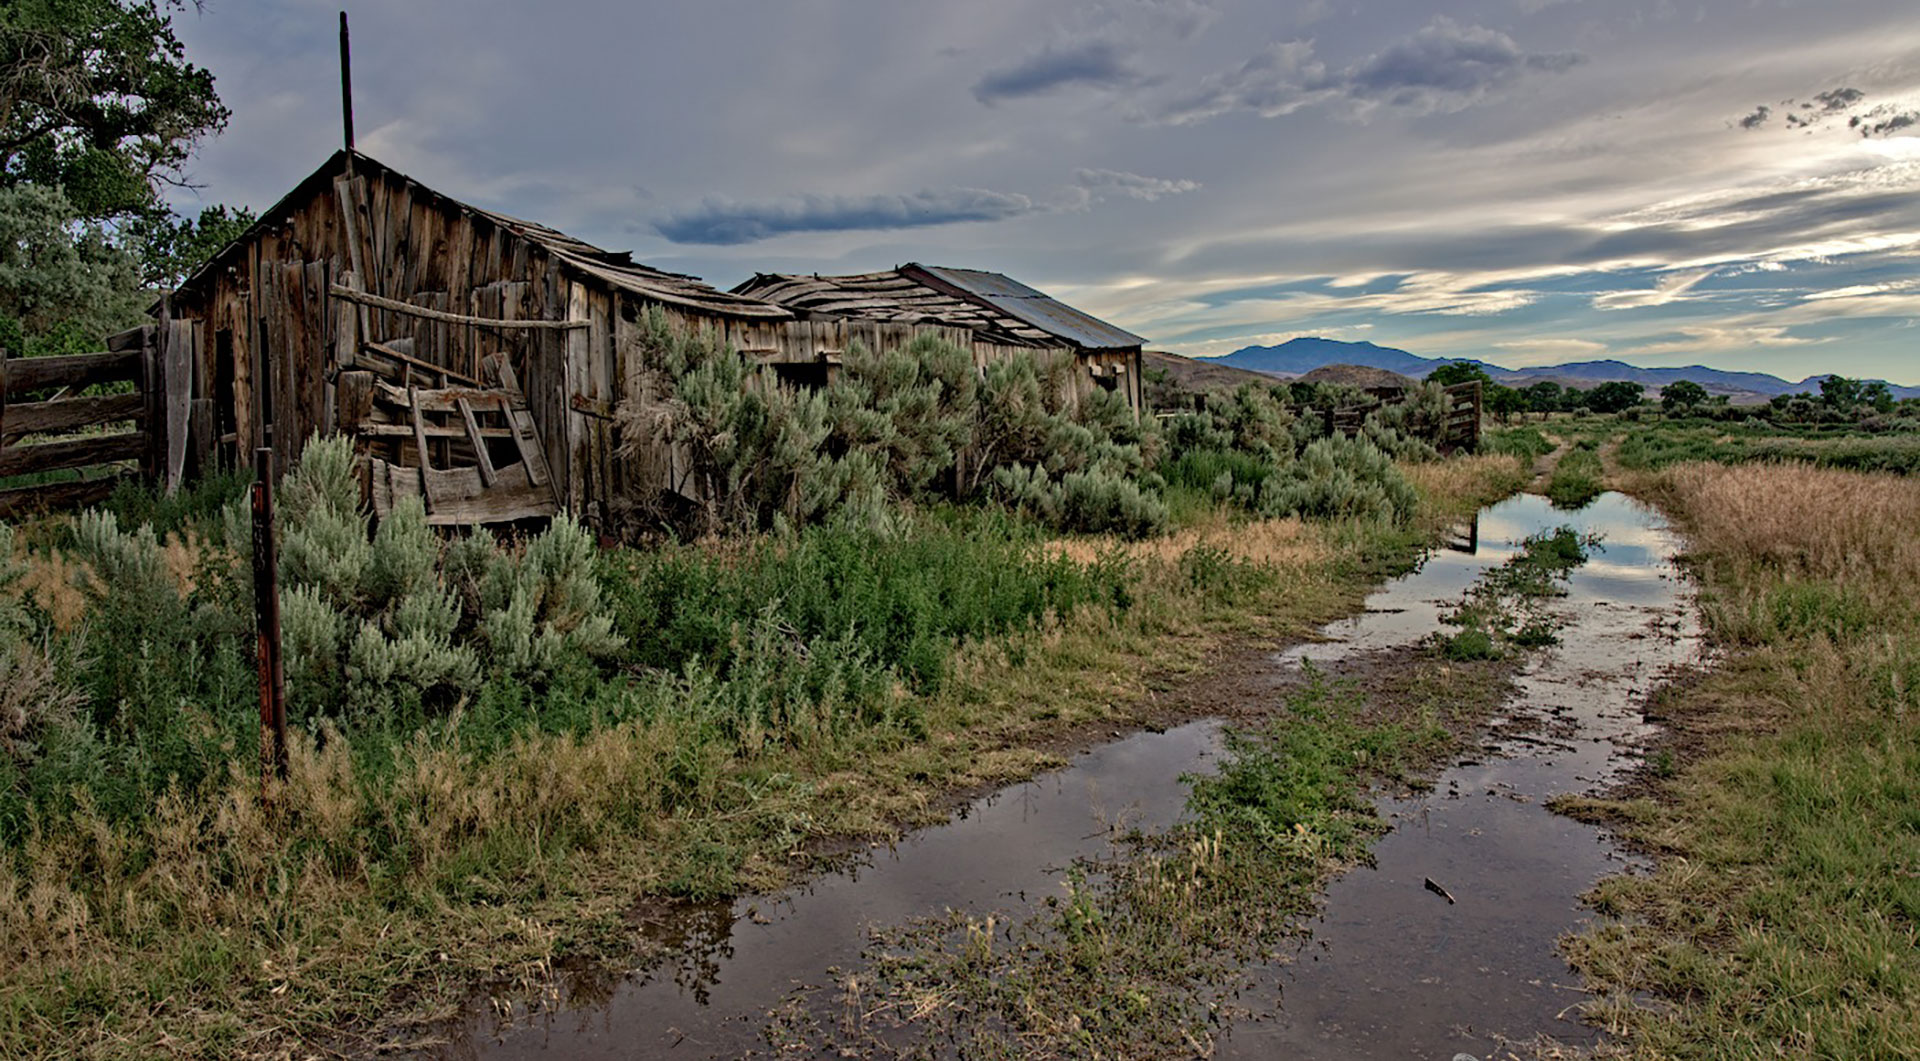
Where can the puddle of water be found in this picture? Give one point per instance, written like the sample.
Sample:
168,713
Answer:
730,963
1392,971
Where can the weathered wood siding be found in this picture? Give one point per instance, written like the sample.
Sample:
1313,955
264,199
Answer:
272,339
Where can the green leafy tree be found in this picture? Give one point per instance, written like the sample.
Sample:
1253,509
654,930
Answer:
1545,397
1878,395
1839,392
171,246
1682,396
98,99
63,282
1503,402
1614,396
1460,372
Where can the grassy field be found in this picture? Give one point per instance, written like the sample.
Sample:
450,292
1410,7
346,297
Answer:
757,701
1784,806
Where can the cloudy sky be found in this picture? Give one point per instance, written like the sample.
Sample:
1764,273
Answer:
1729,182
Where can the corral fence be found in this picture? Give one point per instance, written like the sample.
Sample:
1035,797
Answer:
75,426
1459,428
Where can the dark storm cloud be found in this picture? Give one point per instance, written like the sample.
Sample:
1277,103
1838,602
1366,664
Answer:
1093,63
724,222
1445,66
1448,60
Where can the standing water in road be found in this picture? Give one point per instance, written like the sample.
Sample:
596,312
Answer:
1392,969
1396,970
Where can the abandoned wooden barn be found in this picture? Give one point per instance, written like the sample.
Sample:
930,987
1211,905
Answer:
1005,317
477,359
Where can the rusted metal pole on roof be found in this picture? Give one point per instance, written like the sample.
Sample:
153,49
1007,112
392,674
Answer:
346,85
266,611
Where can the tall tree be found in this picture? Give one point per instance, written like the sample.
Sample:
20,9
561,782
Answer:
172,246
63,284
98,99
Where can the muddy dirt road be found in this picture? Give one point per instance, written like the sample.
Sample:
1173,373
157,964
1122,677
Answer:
1392,968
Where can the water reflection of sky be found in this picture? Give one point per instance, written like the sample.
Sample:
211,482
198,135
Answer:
1625,567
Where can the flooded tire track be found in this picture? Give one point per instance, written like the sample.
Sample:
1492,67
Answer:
1391,969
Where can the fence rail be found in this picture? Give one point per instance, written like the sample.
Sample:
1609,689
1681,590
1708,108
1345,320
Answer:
96,440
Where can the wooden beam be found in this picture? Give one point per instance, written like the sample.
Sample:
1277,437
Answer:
75,453
411,310
68,414
405,358
25,375
27,500
487,475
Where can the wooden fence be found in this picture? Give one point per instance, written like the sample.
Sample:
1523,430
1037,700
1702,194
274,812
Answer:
47,425
1459,426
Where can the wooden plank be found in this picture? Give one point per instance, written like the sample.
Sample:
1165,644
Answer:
26,375
431,399
29,500
578,351
69,414
463,501
487,475
380,429
419,431
401,357
533,455
177,379
71,453
200,431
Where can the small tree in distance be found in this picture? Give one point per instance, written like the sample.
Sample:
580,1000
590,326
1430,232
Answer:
1682,396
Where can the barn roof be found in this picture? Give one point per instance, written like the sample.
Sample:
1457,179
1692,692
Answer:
617,269
1004,308
1013,297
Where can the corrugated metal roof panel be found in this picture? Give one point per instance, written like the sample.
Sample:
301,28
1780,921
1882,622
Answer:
1033,307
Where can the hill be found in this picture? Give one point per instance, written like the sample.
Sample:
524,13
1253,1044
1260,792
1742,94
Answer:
1303,355
1365,377
1201,373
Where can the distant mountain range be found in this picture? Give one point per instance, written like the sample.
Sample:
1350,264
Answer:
1299,356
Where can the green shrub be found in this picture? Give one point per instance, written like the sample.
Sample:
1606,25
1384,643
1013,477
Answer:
1342,478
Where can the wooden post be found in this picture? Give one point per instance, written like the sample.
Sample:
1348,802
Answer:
266,610
346,89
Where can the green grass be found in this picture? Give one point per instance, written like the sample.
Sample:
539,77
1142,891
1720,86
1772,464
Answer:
1654,445
1505,609
1578,478
1526,443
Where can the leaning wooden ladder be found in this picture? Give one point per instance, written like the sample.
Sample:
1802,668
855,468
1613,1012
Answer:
464,486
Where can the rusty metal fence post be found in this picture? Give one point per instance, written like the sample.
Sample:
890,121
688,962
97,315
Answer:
266,611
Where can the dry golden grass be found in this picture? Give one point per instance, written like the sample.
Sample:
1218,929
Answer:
52,581
1268,542
1470,478
1822,523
